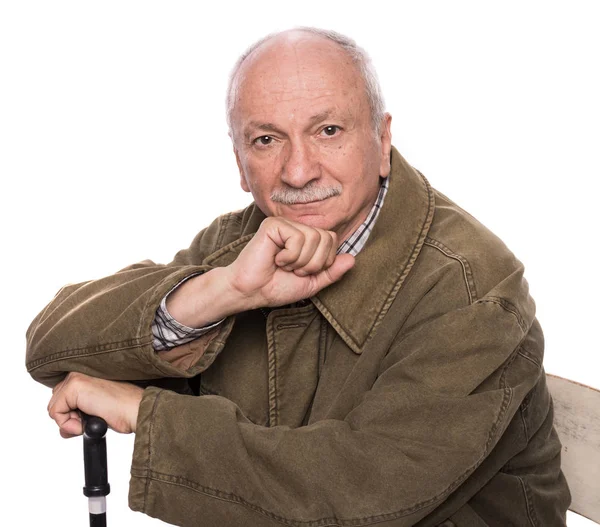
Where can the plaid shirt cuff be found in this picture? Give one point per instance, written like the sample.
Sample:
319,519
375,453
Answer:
168,333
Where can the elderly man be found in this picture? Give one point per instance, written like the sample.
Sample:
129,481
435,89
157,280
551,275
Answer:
351,349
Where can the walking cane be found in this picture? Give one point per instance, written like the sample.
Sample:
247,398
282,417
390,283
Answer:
96,470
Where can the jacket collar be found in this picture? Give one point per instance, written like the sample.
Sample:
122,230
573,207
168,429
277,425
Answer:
356,305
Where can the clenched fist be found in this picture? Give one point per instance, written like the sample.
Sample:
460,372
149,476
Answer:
116,402
284,262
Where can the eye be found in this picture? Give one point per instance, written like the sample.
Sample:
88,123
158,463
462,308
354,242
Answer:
263,140
331,130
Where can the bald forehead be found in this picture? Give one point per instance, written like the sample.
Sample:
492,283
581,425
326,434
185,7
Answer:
291,62
294,44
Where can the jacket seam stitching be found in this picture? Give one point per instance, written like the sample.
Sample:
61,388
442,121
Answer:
87,351
148,460
222,229
354,522
526,357
527,495
344,333
227,496
272,368
467,272
508,307
527,400
511,359
421,238
525,428
322,347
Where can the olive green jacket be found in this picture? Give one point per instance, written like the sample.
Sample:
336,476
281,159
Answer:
409,393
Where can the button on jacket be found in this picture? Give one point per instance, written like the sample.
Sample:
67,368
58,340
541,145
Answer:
411,392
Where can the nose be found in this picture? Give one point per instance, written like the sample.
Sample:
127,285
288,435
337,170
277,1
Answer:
300,165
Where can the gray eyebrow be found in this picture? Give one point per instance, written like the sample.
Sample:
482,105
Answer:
265,127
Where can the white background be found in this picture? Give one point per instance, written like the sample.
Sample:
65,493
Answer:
113,149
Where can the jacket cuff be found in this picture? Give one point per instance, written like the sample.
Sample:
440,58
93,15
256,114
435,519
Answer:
142,451
193,357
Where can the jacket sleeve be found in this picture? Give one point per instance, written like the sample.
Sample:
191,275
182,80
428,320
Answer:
408,443
103,327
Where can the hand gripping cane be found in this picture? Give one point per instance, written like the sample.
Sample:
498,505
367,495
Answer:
96,470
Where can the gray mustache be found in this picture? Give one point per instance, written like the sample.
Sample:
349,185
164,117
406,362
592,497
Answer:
292,196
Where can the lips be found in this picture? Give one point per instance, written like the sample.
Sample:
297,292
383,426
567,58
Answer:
301,203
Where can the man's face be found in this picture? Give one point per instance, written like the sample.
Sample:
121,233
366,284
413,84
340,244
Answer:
303,135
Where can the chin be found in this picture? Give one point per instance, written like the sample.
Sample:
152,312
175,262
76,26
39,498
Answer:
313,220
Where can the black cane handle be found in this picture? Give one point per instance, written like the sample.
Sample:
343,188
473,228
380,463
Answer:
96,469
93,426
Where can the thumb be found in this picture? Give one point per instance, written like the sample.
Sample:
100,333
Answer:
342,264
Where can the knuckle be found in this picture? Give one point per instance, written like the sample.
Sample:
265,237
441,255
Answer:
75,378
317,263
312,268
310,243
315,236
269,225
300,237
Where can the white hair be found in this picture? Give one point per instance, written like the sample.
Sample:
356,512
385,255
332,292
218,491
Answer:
358,55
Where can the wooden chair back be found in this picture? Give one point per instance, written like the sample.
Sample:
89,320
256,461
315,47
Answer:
577,421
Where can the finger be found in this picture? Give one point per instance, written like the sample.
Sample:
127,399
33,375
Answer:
342,264
332,250
292,241
56,393
63,404
72,426
312,248
60,411
322,258
58,387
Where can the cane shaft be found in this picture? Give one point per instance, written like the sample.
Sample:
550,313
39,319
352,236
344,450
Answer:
98,520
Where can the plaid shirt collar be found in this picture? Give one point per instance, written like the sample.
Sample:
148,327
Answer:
354,244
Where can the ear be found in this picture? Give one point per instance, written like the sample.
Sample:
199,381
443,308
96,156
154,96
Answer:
385,139
243,181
